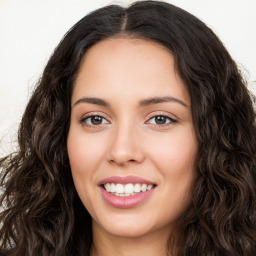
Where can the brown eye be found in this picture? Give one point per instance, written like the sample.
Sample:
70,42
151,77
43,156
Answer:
93,120
161,120
96,120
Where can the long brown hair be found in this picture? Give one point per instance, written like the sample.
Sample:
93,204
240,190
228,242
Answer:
43,214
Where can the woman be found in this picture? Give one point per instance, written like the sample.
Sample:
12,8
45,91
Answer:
139,138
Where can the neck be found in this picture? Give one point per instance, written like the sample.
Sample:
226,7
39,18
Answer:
105,244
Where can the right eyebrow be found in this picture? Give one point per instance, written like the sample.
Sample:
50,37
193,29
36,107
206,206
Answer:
92,100
156,100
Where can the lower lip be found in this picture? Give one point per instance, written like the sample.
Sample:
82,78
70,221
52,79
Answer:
126,201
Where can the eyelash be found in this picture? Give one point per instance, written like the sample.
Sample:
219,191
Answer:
171,120
89,117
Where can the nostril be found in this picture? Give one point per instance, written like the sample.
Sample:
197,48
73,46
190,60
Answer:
122,162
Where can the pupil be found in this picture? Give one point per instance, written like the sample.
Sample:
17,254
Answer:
96,120
160,119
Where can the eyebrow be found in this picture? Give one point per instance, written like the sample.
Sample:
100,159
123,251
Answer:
92,100
142,103
156,100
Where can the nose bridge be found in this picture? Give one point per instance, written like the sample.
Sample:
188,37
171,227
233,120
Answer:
125,146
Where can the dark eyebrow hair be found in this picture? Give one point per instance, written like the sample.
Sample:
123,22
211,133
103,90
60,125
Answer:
142,103
156,100
92,100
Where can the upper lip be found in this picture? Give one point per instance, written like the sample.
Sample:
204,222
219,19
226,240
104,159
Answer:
125,180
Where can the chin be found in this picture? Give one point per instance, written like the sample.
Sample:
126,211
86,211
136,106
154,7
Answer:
128,232
125,226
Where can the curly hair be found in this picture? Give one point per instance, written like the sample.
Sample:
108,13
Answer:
43,214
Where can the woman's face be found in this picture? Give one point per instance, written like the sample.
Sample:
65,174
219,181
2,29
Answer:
131,133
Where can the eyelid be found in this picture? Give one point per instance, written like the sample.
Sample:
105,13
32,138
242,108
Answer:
92,114
162,113
171,117
95,113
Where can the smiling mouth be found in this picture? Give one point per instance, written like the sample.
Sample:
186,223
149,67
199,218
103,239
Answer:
129,189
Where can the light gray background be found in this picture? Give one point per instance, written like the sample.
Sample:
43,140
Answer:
31,29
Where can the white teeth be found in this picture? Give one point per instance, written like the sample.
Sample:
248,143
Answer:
149,187
108,187
113,188
117,194
137,188
127,189
119,188
144,187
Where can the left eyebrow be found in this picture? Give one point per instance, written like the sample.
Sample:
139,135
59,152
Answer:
156,100
92,100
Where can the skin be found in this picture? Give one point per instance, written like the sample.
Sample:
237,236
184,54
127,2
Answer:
129,141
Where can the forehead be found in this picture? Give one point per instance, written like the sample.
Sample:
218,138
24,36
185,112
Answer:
135,66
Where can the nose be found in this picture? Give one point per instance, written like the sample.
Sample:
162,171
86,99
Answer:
125,146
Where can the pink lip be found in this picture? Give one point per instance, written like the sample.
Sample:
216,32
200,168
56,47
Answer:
125,201
125,180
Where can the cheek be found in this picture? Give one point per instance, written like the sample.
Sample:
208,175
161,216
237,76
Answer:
176,152
84,153
175,158
83,163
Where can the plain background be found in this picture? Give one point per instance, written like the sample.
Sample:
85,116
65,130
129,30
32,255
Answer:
31,29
